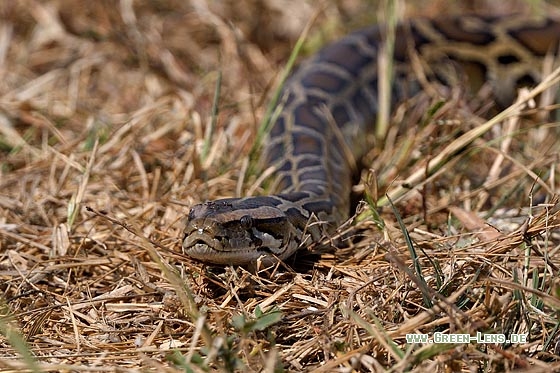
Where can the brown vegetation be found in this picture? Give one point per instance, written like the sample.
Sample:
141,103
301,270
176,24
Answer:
105,142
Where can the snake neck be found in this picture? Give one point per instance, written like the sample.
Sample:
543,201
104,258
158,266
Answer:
330,105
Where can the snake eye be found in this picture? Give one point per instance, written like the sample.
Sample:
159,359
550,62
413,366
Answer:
246,222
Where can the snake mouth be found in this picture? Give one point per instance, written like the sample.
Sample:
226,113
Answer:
199,242
206,248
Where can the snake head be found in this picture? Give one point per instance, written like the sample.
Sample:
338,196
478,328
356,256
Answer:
239,231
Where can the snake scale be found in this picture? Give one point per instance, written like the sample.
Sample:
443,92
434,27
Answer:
327,107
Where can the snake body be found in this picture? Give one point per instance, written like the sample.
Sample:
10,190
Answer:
329,106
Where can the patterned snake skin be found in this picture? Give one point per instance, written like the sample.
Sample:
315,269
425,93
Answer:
328,107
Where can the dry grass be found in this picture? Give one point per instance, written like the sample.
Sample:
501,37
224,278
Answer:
105,110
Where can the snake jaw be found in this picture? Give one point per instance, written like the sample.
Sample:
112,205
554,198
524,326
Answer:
201,241
199,245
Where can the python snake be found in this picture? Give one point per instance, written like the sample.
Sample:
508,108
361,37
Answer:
327,107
